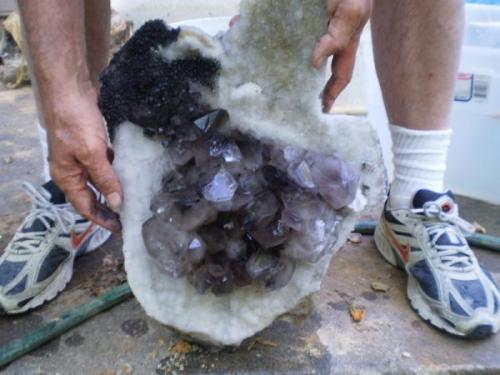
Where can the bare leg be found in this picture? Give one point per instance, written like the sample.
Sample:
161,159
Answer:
97,31
417,49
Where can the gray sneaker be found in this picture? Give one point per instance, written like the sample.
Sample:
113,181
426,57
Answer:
38,262
447,286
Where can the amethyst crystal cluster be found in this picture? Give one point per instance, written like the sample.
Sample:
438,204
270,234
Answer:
236,210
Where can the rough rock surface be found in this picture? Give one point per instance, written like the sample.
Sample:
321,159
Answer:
270,90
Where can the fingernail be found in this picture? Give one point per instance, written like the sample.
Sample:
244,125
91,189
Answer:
114,201
111,219
110,154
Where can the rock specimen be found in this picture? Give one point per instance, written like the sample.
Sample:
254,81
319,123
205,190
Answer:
238,191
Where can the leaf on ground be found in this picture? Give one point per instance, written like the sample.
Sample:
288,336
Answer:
251,345
181,346
378,286
8,160
127,369
355,238
105,371
478,228
267,342
315,352
261,342
357,314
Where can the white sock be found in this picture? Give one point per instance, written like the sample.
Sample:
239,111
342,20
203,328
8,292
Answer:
419,163
45,151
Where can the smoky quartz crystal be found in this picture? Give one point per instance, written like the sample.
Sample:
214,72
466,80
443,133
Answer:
237,210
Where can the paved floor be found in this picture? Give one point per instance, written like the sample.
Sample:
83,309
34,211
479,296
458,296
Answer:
320,338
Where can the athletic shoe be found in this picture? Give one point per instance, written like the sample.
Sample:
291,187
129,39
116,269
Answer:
446,285
38,262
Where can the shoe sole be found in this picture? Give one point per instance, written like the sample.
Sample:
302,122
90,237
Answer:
417,302
96,239
52,290
384,247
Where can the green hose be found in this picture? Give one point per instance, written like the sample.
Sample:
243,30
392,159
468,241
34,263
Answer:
116,295
50,330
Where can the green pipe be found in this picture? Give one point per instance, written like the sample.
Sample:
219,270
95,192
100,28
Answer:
50,330
116,295
483,241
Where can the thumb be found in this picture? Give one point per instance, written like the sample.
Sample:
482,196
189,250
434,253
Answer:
334,41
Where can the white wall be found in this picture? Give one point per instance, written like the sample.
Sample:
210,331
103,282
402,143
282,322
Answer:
7,6
140,11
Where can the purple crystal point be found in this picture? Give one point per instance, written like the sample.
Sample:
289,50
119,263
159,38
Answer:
300,208
311,244
223,278
180,152
235,248
196,249
271,235
184,209
212,120
166,245
276,178
281,274
251,151
261,264
231,152
215,238
221,188
300,173
260,212
201,279
337,183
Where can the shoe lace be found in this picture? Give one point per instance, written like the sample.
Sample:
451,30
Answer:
46,212
439,223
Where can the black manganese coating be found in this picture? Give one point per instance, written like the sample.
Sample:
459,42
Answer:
141,86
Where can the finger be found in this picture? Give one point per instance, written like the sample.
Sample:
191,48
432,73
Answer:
74,186
342,69
110,155
105,180
344,24
85,202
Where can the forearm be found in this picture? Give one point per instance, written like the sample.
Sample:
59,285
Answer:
54,32
55,36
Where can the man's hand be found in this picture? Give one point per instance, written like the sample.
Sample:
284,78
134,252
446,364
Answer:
78,153
55,36
347,20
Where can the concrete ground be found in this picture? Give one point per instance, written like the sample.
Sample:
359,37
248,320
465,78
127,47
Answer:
321,338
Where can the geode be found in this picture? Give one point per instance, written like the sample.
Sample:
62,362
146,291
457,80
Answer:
238,190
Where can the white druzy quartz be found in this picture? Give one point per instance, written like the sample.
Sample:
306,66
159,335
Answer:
270,89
